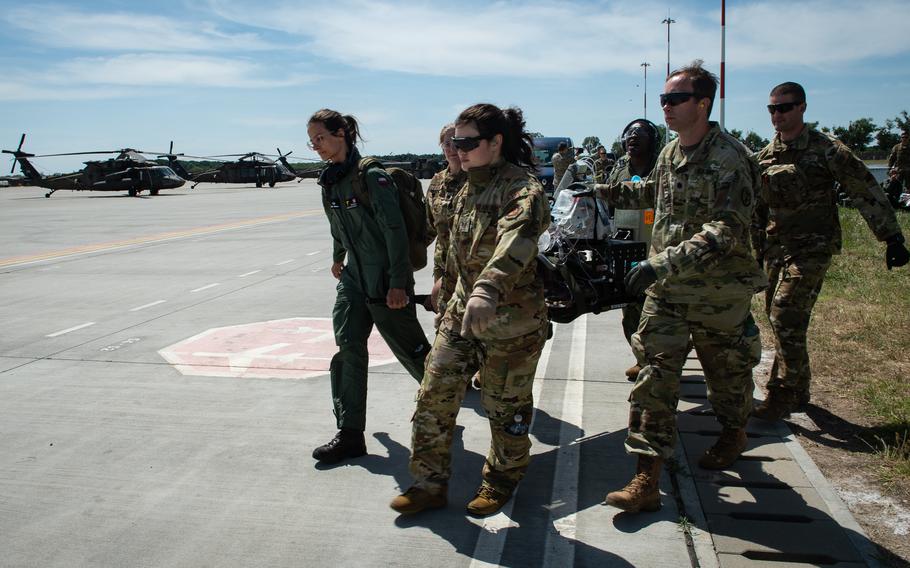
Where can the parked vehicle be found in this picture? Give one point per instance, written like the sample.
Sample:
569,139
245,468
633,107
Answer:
544,148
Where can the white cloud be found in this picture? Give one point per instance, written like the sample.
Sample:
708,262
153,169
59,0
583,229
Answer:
61,26
124,75
15,90
541,39
165,70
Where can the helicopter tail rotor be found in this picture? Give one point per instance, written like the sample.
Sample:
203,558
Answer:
18,154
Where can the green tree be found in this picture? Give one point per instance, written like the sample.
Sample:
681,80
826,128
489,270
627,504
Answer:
902,121
535,134
755,142
590,143
885,137
617,147
736,133
857,134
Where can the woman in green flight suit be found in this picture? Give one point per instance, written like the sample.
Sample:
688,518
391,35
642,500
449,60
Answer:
370,261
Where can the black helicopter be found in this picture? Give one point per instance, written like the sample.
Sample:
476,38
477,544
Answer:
129,171
251,167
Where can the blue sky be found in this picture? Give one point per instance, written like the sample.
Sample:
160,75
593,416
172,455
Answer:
227,76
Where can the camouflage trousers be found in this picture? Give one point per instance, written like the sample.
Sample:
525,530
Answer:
795,285
507,370
728,345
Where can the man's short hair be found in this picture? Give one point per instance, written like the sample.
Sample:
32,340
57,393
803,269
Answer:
704,83
790,88
562,146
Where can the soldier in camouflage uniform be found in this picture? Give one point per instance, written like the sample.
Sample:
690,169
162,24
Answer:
562,159
641,143
440,200
899,163
495,311
796,230
700,277
603,165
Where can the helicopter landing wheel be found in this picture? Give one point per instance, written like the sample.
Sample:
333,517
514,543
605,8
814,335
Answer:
153,191
271,184
132,192
47,195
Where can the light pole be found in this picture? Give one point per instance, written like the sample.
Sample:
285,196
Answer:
668,20
723,57
646,65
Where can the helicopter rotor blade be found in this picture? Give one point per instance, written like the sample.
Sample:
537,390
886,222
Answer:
21,140
80,153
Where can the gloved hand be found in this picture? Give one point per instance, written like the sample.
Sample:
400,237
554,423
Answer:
639,278
479,311
896,254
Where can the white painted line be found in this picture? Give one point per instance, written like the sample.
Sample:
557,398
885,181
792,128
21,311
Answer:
285,262
69,329
206,287
314,252
559,549
492,537
245,274
149,305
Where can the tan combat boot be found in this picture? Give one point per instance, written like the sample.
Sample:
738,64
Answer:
488,500
417,499
777,405
725,451
632,372
642,493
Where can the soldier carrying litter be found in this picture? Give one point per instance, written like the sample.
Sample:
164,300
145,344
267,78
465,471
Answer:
700,277
495,312
796,230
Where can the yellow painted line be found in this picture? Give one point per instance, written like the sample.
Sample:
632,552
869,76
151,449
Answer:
171,235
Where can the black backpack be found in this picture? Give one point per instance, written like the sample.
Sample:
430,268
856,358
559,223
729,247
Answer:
411,201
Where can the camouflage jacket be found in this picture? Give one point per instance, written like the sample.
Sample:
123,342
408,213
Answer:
622,171
499,215
602,168
440,207
560,165
900,157
796,210
702,200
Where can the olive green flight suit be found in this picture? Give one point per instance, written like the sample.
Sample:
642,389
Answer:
372,239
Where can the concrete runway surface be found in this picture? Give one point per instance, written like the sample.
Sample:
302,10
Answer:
163,381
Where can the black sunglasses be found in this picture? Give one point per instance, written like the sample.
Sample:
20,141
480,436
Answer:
467,143
674,99
783,107
635,131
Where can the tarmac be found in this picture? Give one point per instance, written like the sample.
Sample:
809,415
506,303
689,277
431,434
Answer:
163,381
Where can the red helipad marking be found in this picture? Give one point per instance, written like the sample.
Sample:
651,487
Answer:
293,348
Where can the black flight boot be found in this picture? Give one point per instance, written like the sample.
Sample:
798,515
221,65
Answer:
346,444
